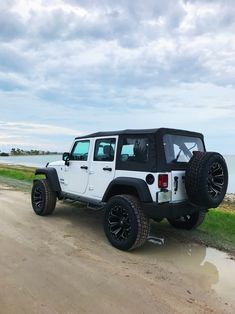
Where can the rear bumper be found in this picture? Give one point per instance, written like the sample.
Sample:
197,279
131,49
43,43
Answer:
170,210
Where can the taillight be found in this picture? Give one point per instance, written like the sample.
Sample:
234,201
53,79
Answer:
163,181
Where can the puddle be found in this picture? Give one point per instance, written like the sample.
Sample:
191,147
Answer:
210,268
226,272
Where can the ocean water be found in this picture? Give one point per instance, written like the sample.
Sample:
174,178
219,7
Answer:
31,161
41,161
230,160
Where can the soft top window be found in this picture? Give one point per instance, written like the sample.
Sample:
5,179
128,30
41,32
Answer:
135,149
180,148
104,149
136,152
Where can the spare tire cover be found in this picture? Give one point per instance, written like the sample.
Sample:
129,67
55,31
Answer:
206,179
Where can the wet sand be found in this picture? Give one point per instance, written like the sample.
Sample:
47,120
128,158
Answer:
64,264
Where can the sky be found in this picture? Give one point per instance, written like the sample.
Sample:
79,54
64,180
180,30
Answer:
71,67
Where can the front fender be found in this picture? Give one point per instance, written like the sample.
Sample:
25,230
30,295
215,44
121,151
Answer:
52,177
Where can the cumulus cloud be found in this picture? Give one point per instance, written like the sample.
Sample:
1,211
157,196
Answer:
86,63
26,134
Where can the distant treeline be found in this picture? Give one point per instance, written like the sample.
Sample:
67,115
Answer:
21,152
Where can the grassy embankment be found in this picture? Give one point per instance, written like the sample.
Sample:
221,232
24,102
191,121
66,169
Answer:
218,229
19,177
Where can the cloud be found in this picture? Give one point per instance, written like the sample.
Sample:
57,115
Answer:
26,134
12,26
95,65
13,59
36,128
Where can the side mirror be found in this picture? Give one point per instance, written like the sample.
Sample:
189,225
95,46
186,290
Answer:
65,158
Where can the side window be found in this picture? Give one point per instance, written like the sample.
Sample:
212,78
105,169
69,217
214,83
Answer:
135,149
80,150
104,149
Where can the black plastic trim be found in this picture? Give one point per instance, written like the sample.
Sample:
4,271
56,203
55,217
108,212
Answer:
139,184
141,131
81,199
170,210
52,177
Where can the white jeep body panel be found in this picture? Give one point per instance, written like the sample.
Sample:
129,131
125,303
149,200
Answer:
153,188
100,173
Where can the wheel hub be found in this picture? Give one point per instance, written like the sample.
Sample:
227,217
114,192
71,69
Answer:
215,179
38,197
119,223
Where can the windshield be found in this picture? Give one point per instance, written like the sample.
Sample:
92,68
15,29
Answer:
180,148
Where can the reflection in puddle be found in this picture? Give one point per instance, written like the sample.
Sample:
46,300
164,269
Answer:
210,268
226,270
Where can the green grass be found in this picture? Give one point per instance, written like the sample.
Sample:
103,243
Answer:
18,177
18,174
219,226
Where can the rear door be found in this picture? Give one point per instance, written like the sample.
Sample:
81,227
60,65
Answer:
102,169
178,151
178,186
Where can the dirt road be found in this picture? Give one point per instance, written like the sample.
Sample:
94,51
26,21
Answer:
64,264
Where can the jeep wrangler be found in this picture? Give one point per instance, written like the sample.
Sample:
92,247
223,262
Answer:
136,175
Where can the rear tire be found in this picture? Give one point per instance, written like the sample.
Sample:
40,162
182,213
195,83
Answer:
125,224
43,198
188,222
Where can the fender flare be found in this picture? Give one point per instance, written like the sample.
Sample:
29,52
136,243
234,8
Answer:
52,177
139,184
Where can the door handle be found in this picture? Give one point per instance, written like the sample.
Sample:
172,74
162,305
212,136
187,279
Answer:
84,167
176,183
107,169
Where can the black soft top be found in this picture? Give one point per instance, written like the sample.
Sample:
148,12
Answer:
159,131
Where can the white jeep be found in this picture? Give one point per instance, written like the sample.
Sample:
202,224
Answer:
136,175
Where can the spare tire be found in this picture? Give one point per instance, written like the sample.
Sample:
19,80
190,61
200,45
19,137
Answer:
206,179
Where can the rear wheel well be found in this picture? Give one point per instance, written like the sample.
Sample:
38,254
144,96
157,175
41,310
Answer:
122,189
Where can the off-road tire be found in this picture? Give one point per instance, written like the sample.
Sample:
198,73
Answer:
127,208
190,221
43,198
206,179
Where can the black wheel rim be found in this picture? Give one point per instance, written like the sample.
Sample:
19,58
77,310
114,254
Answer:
215,180
38,198
119,223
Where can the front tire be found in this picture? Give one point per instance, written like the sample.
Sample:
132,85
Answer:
188,222
125,224
43,198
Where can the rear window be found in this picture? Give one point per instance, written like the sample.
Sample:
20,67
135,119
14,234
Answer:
180,148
